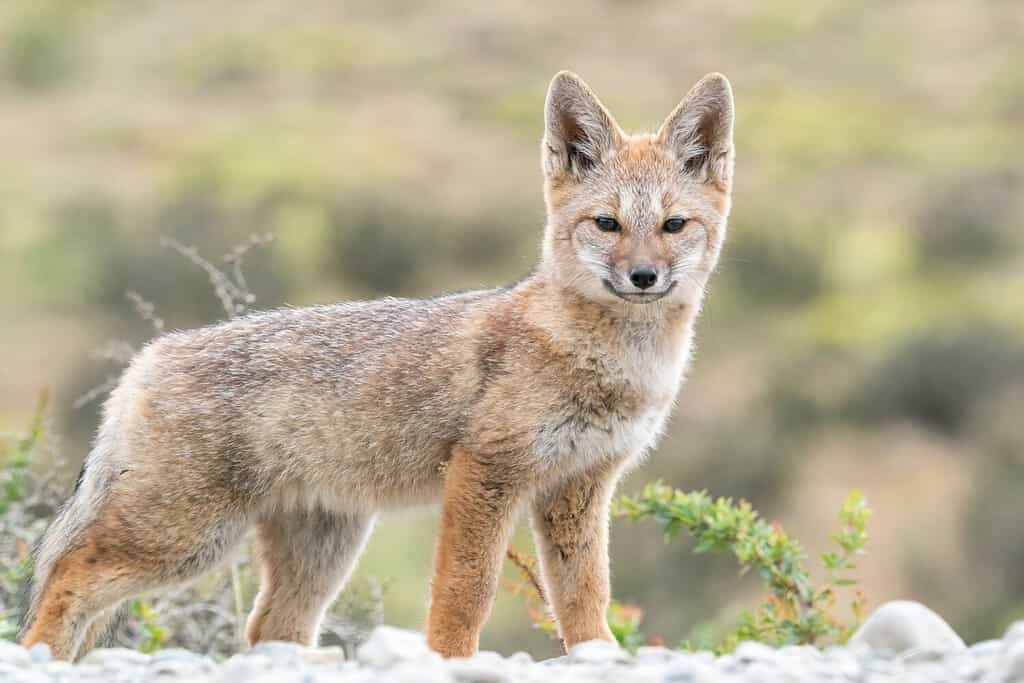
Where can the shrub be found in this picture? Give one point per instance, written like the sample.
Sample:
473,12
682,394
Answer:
938,377
971,219
43,50
796,610
775,262
28,489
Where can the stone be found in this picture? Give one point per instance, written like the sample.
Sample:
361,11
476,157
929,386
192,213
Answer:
800,653
483,667
179,663
397,656
279,648
521,659
631,674
418,672
115,657
763,670
184,669
13,653
986,648
1015,632
333,656
691,670
597,652
902,627
1011,664
751,651
388,646
176,654
29,676
274,676
968,670
60,670
651,654
243,666
843,661
39,653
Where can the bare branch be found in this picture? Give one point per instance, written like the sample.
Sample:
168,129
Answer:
146,311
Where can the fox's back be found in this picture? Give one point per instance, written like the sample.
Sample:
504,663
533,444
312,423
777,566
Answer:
371,392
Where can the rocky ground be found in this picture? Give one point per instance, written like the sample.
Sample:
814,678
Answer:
901,641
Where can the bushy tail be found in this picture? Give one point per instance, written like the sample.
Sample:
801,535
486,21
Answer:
65,532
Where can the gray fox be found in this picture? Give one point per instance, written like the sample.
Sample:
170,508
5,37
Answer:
305,423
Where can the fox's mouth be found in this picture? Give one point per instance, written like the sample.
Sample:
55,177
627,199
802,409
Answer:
639,297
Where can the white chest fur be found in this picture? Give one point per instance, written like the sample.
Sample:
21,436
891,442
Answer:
651,375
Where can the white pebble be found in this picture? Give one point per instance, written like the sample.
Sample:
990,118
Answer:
417,672
115,657
39,653
751,651
903,626
13,653
1014,632
1011,664
521,659
649,654
483,667
597,652
388,646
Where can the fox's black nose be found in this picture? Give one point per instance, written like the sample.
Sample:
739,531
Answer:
643,276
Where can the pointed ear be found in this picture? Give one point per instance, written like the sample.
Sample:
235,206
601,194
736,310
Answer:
579,132
699,131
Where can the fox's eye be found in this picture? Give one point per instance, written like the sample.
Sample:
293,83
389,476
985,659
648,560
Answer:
607,224
674,224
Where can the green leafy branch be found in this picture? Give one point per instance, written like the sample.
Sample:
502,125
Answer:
796,610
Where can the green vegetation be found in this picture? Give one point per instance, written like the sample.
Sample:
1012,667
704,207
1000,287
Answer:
797,611
624,621
23,494
154,635
42,49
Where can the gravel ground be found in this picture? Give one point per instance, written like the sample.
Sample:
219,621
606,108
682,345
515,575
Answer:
902,642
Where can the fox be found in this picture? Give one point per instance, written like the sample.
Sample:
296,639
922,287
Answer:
305,424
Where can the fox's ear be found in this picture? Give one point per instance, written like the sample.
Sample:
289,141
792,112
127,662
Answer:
578,131
699,131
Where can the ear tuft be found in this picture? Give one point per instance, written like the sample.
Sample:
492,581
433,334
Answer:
579,132
699,131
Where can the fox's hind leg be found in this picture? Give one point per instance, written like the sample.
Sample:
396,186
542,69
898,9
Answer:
305,559
121,554
99,628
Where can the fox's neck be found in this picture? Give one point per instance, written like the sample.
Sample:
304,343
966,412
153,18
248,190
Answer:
569,317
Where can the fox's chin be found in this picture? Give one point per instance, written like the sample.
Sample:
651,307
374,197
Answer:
639,297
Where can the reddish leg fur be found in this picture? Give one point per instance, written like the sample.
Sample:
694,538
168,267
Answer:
81,584
476,521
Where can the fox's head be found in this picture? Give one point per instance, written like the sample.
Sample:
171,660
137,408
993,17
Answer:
636,219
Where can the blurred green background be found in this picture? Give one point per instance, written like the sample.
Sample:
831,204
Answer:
866,326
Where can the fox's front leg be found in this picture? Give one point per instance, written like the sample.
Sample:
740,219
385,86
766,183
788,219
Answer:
476,519
570,527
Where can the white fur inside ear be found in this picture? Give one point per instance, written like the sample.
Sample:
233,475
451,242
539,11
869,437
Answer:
579,132
699,131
